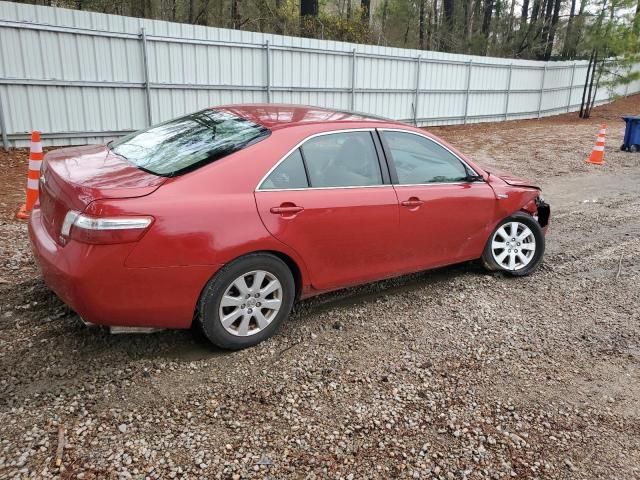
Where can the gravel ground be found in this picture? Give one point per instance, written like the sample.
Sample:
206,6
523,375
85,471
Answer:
449,374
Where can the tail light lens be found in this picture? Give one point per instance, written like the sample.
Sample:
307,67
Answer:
103,230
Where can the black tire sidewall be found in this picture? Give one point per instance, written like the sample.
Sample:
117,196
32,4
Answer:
211,296
487,256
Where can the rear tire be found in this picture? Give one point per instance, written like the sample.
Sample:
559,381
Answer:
245,302
516,246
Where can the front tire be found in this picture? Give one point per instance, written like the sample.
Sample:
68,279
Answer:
244,303
516,246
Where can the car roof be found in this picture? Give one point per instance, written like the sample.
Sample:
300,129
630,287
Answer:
278,116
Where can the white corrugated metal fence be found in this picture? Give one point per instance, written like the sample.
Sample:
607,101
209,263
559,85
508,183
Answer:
83,77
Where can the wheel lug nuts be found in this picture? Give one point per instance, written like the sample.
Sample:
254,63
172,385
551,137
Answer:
509,251
516,251
257,295
242,306
250,310
518,243
258,304
248,295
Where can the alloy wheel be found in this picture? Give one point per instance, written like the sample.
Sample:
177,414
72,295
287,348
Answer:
250,303
513,246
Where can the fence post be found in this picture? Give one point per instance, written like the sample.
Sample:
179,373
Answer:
353,80
544,74
506,106
145,66
268,52
417,94
573,74
466,100
3,129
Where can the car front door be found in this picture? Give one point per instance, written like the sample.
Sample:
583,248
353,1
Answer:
444,217
330,199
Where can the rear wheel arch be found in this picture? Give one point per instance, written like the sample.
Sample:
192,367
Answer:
293,266
229,325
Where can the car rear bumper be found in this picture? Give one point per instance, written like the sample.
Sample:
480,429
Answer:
93,281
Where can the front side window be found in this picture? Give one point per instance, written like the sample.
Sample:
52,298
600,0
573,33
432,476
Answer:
186,143
289,174
419,160
342,160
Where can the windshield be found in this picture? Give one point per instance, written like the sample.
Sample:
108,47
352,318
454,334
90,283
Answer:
186,143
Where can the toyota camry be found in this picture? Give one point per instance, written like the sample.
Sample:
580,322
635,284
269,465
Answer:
227,216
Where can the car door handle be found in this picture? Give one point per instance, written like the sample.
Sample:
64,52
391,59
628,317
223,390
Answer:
413,202
286,210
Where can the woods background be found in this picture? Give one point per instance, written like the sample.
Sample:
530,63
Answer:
81,76
534,29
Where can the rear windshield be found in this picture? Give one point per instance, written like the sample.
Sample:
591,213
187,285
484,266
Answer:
186,143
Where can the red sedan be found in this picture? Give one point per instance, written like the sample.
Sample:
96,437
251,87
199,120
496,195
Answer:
228,215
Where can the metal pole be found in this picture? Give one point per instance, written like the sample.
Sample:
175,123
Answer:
570,94
466,101
353,80
268,51
544,74
3,128
145,65
417,94
506,106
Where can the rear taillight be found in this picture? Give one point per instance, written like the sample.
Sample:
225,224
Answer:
103,230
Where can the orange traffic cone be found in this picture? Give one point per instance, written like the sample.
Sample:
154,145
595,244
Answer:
597,153
33,176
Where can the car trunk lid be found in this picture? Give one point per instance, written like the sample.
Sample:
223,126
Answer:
72,178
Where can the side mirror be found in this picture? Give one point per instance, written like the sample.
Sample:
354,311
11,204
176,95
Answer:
473,178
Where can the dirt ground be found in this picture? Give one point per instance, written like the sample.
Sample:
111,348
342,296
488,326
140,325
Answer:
450,374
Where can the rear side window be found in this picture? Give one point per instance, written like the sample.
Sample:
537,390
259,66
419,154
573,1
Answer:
419,160
186,143
289,174
342,160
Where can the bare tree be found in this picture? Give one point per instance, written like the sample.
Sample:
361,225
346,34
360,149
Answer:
422,24
552,29
486,18
468,18
524,14
448,7
309,8
569,31
365,6
191,10
235,13
433,25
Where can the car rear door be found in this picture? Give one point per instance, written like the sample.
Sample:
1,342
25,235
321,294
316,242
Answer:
444,218
330,199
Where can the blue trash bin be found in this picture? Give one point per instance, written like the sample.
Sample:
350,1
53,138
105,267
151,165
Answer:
631,141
